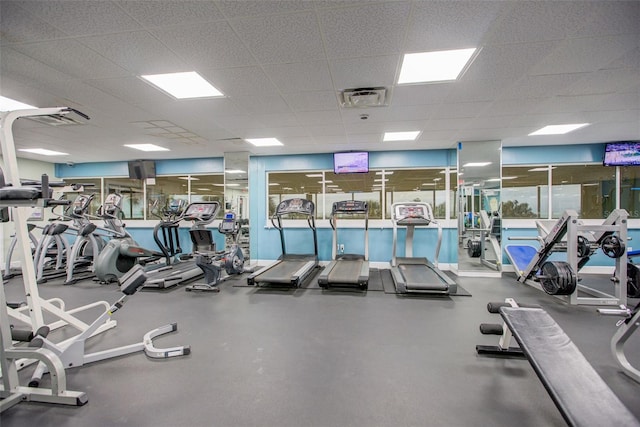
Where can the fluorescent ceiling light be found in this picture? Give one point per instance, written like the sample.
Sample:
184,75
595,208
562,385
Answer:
218,185
333,186
381,180
437,179
183,85
146,147
429,183
508,177
8,104
401,136
190,178
558,129
232,185
273,183
450,171
203,189
43,151
263,142
438,66
591,184
384,173
314,175
233,171
494,180
475,164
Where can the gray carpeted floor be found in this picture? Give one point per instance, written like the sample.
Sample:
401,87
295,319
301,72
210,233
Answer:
308,357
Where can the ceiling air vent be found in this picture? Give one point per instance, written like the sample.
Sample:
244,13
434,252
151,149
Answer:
363,97
55,120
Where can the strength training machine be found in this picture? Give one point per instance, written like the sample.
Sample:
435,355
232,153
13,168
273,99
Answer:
417,274
289,269
579,393
347,269
560,278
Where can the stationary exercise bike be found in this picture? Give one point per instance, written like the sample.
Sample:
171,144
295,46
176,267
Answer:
212,262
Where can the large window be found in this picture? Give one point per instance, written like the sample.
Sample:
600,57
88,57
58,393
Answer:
525,192
417,185
630,190
139,196
326,187
588,189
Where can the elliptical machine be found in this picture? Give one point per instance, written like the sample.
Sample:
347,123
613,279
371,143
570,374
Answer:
211,261
122,252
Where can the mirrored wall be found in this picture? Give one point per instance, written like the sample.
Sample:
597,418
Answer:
479,208
236,193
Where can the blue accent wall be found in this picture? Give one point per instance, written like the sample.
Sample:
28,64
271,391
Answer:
120,169
553,154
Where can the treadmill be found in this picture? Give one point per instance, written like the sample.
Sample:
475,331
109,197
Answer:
347,269
185,270
290,269
412,274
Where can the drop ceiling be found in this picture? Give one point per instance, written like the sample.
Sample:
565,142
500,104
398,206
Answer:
283,64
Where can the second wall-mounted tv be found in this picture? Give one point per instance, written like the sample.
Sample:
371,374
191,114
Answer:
351,162
142,169
624,153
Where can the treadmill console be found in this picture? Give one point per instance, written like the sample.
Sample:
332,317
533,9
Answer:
350,207
202,212
229,225
413,214
298,206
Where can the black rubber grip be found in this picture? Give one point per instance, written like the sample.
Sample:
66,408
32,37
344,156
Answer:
490,329
21,335
494,307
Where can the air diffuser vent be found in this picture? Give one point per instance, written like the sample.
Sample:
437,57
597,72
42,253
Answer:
55,120
363,97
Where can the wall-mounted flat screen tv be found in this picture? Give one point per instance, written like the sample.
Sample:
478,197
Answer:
142,169
625,153
351,162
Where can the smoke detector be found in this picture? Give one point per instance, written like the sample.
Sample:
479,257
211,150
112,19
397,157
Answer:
363,97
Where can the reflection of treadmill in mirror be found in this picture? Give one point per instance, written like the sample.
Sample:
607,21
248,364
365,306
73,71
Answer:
347,269
290,269
411,274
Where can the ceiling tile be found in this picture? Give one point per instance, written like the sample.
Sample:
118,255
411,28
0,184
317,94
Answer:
78,18
26,70
362,72
239,9
132,90
243,81
262,104
604,81
282,39
300,77
73,58
154,13
312,101
194,44
315,118
144,53
540,86
441,25
19,26
459,110
530,21
377,29
609,18
586,54
421,94
478,90
507,61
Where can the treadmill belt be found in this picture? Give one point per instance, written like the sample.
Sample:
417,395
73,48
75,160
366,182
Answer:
281,272
346,271
420,276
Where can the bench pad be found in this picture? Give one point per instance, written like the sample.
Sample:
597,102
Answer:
581,395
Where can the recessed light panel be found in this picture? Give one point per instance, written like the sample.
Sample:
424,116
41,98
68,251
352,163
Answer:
475,164
183,85
146,147
401,136
437,66
43,151
558,129
263,142
8,104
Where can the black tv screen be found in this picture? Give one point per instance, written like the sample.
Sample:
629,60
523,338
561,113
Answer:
351,162
625,153
142,169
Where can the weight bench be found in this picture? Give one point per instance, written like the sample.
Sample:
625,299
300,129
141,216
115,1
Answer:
579,393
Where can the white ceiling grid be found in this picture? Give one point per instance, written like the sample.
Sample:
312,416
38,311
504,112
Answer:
282,64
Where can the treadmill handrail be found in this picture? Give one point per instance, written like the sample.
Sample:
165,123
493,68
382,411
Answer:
333,222
410,226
